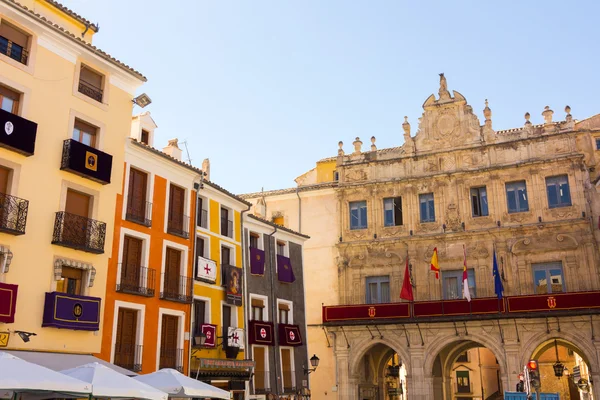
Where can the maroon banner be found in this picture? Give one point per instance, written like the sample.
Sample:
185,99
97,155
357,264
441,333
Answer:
8,302
289,335
553,302
211,334
260,332
490,305
366,311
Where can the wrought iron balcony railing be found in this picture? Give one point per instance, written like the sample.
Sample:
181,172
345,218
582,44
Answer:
177,288
140,213
261,382
13,214
203,219
171,358
79,232
13,50
136,279
226,227
128,356
179,226
90,90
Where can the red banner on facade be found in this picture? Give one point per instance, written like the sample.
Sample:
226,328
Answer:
458,307
289,335
260,332
8,302
366,312
211,334
553,302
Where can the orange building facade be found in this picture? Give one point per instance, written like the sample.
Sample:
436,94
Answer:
149,290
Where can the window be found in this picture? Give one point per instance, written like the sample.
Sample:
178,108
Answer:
200,243
9,100
358,215
427,207
90,83
452,284
464,357
169,354
202,213
516,197
284,313
70,281
226,224
145,137
85,133
225,260
463,383
336,176
261,369
559,194
280,248
378,289
176,219
479,202
258,308
227,322
137,207
13,42
392,211
254,237
597,144
199,316
126,354
548,278
287,364
76,226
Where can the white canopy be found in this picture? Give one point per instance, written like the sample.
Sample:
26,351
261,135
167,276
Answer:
21,376
108,383
178,385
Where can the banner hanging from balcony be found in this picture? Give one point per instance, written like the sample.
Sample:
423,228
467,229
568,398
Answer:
233,281
17,133
8,302
289,335
553,302
86,161
257,261
260,332
211,334
235,337
366,312
285,273
207,270
69,311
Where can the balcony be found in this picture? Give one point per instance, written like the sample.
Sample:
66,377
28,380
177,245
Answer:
226,227
463,389
69,311
137,280
86,161
203,219
17,133
261,382
171,358
90,90
79,233
178,288
179,226
128,356
13,50
140,213
13,214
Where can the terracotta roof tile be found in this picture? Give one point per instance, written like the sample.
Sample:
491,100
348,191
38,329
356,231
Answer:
73,14
283,228
276,192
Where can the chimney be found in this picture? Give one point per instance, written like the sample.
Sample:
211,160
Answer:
206,168
173,150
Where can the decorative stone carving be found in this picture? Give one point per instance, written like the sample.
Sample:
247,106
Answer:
355,175
563,212
518,217
453,221
544,243
443,92
341,148
547,114
357,145
373,147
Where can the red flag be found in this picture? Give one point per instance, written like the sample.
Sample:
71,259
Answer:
407,292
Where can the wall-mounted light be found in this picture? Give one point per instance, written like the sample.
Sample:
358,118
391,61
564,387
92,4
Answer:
142,100
314,361
25,335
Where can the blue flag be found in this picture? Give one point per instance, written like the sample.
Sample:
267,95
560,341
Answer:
498,287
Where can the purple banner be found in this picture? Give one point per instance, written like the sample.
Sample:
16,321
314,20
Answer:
257,261
68,311
285,273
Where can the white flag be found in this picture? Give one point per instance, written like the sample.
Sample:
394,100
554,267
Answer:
465,278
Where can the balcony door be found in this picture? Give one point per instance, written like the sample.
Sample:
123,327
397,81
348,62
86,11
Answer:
136,199
131,263
172,269
168,341
176,202
125,341
75,224
463,383
4,200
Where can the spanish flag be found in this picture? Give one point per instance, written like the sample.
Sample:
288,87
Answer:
435,266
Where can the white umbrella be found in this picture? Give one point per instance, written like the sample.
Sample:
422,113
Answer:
109,383
20,376
177,384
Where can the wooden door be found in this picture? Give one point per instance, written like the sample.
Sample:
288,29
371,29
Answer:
286,361
125,341
176,208
4,177
5,205
75,223
172,269
136,200
168,341
131,264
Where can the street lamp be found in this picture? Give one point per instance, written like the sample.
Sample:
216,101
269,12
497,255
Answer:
200,338
559,368
314,361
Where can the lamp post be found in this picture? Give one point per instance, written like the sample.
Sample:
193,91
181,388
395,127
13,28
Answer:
200,339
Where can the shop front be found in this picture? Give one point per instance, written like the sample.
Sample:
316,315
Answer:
230,375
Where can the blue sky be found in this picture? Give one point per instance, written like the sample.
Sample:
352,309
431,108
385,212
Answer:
266,88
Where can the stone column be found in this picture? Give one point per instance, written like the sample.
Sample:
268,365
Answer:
513,367
419,385
346,387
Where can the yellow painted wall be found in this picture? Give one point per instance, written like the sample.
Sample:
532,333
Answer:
60,18
325,171
49,101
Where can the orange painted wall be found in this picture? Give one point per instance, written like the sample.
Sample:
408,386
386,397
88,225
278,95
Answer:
152,304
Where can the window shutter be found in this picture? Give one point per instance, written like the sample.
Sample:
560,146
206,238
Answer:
13,34
257,303
91,77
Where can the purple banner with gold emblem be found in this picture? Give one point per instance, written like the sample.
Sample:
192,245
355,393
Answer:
8,302
257,261
68,311
289,335
260,332
285,273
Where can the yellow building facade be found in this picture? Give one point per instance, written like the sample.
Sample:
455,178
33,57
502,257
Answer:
65,113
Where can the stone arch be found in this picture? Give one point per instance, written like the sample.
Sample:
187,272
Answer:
360,348
584,347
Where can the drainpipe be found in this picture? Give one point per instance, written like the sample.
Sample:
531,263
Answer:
194,251
246,297
299,211
274,311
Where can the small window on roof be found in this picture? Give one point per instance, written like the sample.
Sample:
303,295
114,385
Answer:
91,83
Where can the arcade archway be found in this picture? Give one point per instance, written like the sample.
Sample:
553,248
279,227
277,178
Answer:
381,374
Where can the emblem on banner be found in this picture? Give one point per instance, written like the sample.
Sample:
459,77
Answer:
9,127
77,310
91,161
292,336
371,312
263,333
552,302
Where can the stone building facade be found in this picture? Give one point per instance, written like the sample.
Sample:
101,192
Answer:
526,195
